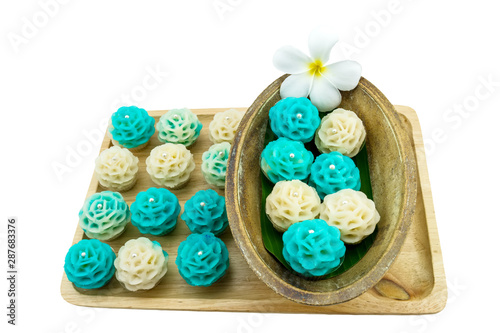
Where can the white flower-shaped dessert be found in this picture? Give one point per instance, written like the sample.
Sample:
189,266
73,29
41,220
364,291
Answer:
352,212
341,131
223,126
140,264
170,165
310,76
116,169
291,201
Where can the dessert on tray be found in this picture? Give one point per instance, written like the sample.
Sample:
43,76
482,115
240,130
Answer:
214,164
223,126
89,264
202,259
116,169
170,165
104,215
179,126
206,212
141,264
155,211
131,127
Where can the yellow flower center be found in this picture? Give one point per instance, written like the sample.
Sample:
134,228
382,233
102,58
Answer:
316,67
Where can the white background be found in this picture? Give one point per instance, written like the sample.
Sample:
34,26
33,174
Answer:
62,78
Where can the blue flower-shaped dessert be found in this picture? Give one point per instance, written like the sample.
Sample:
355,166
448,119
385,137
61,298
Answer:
285,159
155,211
104,215
131,127
89,264
294,118
202,259
313,248
179,126
206,212
333,172
214,164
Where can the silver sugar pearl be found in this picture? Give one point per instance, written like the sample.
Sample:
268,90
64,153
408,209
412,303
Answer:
295,194
126,116
202,204
175,116
311,231
200,253
164,155
227,118
292,155
134,255
334,131
221,154
83,254
299,115
344,202
99,206
332,167
151,199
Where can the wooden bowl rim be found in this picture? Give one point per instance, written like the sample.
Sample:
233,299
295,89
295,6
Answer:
244,243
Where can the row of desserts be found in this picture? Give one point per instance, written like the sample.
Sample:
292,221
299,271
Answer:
141,263
202,259
171,163
314,246
132,127
105,215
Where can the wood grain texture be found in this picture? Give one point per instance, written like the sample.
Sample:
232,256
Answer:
418,270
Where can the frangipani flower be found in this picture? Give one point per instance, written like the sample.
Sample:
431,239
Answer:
311,77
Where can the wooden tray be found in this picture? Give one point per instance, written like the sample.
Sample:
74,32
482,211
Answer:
415,283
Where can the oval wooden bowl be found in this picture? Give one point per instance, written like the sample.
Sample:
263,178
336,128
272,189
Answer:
393,177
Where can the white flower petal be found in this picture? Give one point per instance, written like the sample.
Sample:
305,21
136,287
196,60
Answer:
296,85
324,95
321,41
344,75
291,60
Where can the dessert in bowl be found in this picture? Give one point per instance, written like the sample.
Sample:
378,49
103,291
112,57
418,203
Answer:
393,181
